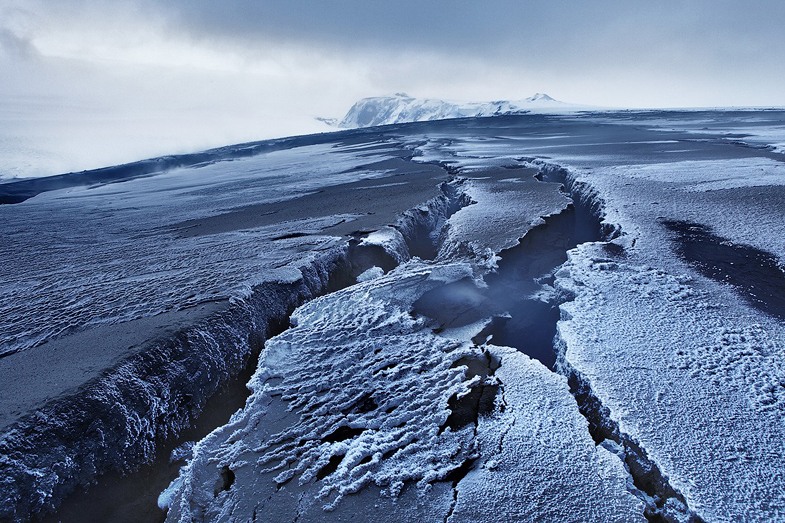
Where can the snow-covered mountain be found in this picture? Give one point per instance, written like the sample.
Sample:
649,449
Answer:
400,107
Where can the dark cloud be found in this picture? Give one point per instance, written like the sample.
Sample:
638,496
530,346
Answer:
533,32
691,42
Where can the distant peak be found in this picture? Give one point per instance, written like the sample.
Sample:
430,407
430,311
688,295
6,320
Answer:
541,96
400,107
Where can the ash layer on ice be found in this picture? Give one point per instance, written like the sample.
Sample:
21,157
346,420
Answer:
576,319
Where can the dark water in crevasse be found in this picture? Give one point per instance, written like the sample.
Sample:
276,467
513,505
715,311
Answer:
521,320
531,324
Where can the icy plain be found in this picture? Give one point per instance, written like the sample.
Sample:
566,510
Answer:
518,318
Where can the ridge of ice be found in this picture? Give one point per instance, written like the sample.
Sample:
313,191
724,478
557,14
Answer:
400,108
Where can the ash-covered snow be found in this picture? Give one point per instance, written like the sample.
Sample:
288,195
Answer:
100,255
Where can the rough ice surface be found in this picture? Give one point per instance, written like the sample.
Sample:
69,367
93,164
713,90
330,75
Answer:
555,446
75,267
391,397
690,368
498,219
696,379
126,305
370,274
360,392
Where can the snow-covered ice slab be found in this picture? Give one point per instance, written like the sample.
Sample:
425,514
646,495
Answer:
674,332
538,461
113,253
696,378
361,392
689,368
507,203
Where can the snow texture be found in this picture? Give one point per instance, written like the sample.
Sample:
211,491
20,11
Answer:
74,273
694,379
66,273
540,435
358,393
688,367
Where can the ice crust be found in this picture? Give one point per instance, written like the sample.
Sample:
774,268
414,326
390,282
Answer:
74,272
362,384
351,356
353,408
99,255
497,219
541,429
685,366
696,378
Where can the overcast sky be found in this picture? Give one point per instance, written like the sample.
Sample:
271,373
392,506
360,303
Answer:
89,82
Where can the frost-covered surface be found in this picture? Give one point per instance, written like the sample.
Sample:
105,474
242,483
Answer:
351,356
690,369
527,445
359,393
497,218
134,320
401,108
93,418
686,366
669,339
102,255
698,368
696,379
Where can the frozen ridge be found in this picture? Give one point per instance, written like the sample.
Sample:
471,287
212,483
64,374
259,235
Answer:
400,108
695,338
127,385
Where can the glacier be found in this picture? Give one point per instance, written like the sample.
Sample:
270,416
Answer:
402,108
553,317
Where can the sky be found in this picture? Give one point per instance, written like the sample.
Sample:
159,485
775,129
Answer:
89,83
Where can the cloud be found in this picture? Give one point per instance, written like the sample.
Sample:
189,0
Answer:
634,45
539,32
13,45
185,74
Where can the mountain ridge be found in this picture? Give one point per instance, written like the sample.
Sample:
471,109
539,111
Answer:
401,108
